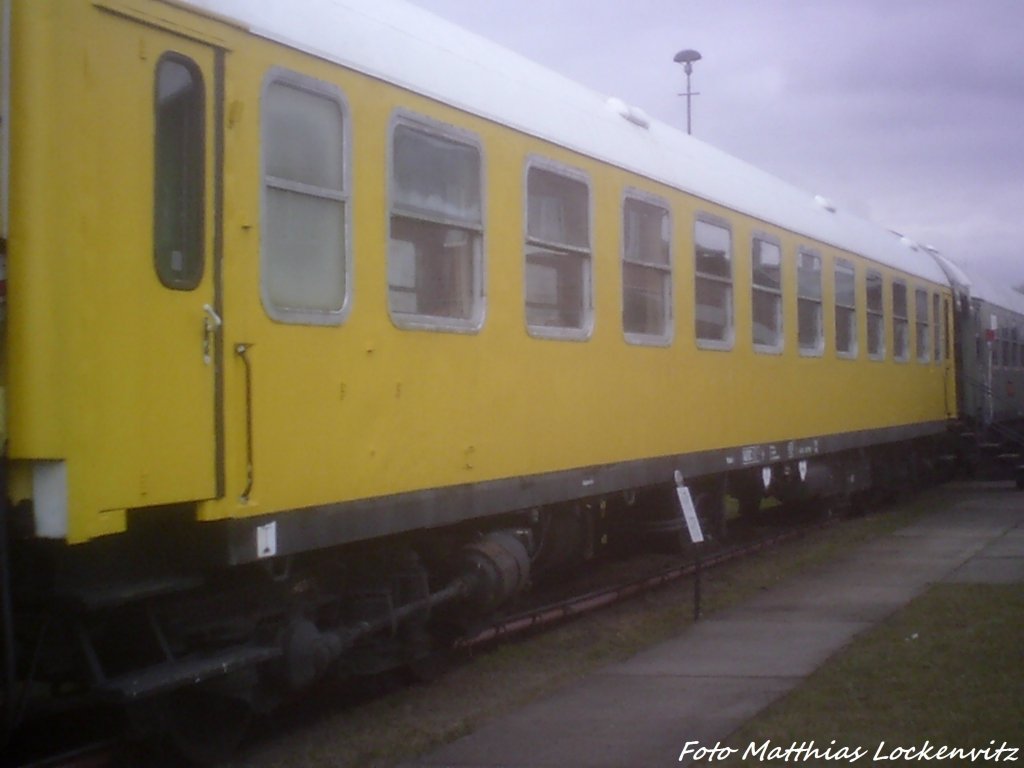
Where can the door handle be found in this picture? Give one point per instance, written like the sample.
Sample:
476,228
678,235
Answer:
211,322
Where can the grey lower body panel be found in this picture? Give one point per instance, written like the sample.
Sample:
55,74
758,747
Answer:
317,527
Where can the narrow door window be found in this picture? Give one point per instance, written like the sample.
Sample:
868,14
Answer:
178,175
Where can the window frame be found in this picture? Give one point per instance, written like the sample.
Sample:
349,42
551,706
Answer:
877,314
726,344
667,271
947,334
559,332
454,134
900,321
850,268
937,345
327,90
198,182
922,327
780,325
995,349
819,347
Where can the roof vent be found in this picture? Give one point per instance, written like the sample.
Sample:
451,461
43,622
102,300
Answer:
635,115
906,241
824,202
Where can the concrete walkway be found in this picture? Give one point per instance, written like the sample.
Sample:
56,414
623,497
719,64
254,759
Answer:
704,684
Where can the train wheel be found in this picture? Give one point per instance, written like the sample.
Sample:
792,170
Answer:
204,726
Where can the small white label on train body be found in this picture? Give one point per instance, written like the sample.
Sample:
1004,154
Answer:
690,513
266,540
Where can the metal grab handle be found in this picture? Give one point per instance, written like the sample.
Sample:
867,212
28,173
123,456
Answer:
242,350
212,316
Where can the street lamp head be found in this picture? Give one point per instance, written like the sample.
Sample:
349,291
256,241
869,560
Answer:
687,54
686,57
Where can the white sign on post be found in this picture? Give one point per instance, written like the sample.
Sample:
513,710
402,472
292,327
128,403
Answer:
689,510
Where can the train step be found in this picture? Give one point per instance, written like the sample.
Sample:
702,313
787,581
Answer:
170,675
96,598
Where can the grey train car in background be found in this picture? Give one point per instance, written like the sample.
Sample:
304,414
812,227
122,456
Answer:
989,332
993,350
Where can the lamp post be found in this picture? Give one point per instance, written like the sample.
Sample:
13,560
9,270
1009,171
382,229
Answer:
686,57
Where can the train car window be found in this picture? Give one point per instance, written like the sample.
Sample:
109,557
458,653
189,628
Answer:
936,329
714,307
900,328
179,176
646,270
304,255
435,257
876,316
559,301
947,337
810,328
921,324
766,293
846,309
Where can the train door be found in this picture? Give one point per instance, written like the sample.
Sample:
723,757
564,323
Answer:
164,100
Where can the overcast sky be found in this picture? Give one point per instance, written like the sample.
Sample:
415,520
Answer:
910,112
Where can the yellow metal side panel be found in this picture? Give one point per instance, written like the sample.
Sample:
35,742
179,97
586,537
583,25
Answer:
35,369
362,409
101,353
366,409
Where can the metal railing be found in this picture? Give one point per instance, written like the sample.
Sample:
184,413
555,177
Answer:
994,401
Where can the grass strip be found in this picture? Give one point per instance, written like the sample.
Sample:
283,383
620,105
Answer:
948,670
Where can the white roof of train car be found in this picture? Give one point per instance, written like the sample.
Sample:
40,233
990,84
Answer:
998,294
410,47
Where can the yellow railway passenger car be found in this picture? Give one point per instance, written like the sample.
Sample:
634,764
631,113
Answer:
308,302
